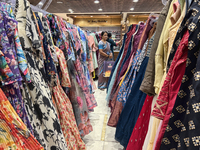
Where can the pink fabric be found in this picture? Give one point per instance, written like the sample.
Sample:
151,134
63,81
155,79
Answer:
167,97
157,133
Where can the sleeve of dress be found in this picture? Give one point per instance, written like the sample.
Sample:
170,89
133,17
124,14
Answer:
112,42
21,57
63,66
100,45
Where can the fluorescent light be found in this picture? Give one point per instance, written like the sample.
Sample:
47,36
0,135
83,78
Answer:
132,9
91,16
135,1
59,2
100,9
96,2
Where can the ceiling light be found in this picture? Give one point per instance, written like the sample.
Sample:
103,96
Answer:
107,16
91,16
74,16
132,9
70,9
100,9
96,2
71,12
133,15
135,1
59,2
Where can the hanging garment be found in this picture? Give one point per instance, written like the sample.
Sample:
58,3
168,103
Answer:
132,109
147,85
161,53
183,135
166,99
36,94
120,57
12,89
141,127
126,54
13,132
102,81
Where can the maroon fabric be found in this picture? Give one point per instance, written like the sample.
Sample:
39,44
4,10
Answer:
167,97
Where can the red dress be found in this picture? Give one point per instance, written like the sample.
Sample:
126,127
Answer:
170,89
141,127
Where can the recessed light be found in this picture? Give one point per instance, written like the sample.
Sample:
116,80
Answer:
96,2
91,16
70,9
132,9
133,15
59,2
74,16
135,1
100,9
71,12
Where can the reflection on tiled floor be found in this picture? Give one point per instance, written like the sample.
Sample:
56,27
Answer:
97,140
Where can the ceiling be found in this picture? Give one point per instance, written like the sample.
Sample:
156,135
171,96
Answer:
88,6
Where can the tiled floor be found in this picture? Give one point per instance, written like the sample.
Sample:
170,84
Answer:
98,140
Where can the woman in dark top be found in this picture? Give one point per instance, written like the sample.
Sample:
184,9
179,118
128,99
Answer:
112,43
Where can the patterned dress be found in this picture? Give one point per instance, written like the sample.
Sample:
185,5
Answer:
13,132
37,96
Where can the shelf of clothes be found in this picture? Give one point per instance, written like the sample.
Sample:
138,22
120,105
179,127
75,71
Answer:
46,80
154,85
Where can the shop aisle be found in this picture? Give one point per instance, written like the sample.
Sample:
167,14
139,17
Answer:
103,136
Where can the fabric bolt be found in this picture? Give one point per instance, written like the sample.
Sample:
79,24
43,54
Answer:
14,133
132,109
102,81
141,127
147,85
171,87
161,53
36,95
184,107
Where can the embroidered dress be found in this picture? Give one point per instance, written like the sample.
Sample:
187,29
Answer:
184,118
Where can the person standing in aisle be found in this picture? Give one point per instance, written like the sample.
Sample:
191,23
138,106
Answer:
105,54
112,43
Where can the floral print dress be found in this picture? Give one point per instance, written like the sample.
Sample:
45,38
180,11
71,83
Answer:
37,96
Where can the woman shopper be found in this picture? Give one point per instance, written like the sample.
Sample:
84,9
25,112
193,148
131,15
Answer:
105,54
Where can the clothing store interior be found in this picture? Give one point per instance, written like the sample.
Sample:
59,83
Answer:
99,74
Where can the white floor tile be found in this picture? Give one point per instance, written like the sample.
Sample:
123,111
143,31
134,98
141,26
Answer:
112,146
110,134
94,145
97,124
